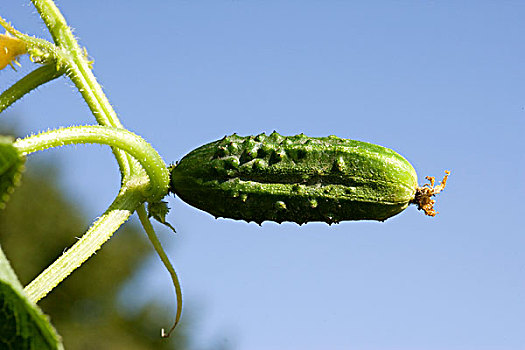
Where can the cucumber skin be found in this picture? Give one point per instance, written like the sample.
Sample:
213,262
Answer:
295,178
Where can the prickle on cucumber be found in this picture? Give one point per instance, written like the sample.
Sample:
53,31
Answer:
299,179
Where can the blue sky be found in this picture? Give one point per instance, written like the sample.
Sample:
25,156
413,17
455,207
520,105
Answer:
442,83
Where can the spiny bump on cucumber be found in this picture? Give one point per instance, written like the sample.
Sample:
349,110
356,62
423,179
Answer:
299,179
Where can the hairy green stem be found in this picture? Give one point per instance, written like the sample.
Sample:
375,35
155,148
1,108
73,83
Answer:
28,83
68,55
56,23
143,216
80,73
83,78
119,211
31,42
129,149
118,138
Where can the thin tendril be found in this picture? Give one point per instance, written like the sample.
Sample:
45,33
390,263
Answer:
143,216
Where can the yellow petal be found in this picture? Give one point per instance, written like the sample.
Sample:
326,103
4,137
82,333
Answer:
10,49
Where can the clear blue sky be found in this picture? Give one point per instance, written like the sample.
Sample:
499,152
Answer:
442,83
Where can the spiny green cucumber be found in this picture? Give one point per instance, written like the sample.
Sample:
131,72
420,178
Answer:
299,179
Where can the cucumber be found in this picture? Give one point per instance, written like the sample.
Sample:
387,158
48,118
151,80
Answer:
298,179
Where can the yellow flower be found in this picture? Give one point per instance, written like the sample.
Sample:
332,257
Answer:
10,49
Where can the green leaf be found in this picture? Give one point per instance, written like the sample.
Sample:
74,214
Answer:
11,167
22,324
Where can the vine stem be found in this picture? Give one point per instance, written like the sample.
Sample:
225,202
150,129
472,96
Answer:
128,148
143,216
28,83
146,155
68,55
119,211
43,46
79,69
80,73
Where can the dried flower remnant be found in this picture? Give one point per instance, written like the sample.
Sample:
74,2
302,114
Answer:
10,49
423,194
